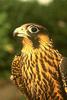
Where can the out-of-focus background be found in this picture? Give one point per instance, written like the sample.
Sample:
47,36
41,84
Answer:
13,13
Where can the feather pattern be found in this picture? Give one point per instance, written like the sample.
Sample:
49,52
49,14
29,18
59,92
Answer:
36,71
39,74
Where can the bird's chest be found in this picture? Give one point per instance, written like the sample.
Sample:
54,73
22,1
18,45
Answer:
37,77
33,78
40,76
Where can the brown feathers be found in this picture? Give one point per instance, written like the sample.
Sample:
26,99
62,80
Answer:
36,70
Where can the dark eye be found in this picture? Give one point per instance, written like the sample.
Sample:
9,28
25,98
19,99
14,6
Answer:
33,29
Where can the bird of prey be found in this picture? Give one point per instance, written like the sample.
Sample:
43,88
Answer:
40,71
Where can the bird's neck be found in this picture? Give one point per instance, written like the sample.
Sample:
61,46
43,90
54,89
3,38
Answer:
28,46
45,47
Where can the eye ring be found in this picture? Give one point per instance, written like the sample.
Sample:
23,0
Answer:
33,29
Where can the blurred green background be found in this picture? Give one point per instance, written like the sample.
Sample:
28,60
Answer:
14,13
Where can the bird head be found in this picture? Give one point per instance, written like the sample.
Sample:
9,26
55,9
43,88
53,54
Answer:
32,34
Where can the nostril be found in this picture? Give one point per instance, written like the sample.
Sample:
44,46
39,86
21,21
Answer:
22,29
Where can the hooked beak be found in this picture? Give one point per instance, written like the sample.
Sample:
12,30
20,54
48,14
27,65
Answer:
20,32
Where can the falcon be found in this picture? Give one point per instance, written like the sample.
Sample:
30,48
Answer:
40,71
